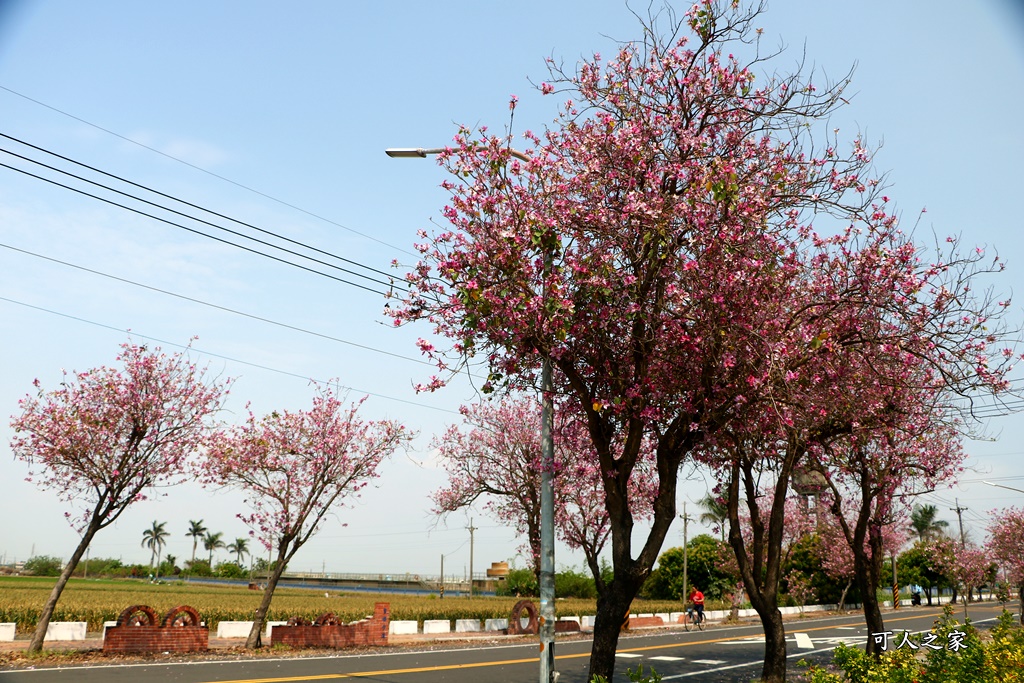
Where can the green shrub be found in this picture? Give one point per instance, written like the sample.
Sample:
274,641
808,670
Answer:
44,565
999,661
231,570
570,583
519,583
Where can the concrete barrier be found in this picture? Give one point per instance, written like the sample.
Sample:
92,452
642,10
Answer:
66,630
403,628
496,624
467,625
7,630
588,622
234,629
437,626
665,617
270,625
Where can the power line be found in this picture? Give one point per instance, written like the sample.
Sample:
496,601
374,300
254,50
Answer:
193,230
389,284
388,275
217,306
227,358
203,170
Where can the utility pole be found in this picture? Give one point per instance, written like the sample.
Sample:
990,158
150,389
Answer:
960,517
895,584
442,576
686,520
471,530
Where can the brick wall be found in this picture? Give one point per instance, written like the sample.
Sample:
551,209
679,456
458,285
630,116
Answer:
166,636
156,639
372,631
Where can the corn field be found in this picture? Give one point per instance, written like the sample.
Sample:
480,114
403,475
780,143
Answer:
96,601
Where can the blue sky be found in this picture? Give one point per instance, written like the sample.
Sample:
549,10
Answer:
298,102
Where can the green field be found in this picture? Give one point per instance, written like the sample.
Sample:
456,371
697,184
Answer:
98,600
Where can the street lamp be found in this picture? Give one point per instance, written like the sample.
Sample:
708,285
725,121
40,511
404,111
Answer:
1009,488
547,453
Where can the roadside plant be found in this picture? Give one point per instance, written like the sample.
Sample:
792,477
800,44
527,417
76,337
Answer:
295,468
107,437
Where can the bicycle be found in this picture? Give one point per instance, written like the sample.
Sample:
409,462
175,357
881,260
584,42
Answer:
694,618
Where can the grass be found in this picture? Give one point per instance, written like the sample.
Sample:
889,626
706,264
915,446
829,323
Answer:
97,600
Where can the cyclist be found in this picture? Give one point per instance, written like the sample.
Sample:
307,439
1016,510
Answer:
697,600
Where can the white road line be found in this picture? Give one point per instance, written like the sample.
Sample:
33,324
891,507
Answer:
708,661
803,641
739,666
666,658
629,655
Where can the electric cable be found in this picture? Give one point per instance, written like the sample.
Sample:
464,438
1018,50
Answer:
390,283
203,170
227,358
192,205
192,230
217,306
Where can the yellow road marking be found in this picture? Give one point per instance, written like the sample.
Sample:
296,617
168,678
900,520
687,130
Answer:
529,660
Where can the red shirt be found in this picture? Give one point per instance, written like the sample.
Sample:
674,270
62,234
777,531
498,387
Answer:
696,597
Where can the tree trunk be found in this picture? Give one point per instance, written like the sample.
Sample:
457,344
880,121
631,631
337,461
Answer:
928,594
612,611
1020,596
872,612
842,598
51,603
255,635
774,669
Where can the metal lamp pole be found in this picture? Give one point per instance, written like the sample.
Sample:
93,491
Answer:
1008,488
547,493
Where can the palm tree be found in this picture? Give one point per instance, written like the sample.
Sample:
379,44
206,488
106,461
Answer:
196,531
155,538
239,547
212,542
716,512
923,521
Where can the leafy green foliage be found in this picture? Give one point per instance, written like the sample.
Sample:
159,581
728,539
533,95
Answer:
231,570
44,565
635,676
519,583
704,570
570,583
1001,660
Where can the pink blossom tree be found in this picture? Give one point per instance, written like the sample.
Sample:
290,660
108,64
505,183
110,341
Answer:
1006,546
837,559
966,566
107,437
657,249
496,457
295,468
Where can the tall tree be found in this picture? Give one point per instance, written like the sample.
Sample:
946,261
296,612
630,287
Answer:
196,530
155,538
495,456
106,437
295,468
656,248
239,547
213,541
716,512
923,521
1006,545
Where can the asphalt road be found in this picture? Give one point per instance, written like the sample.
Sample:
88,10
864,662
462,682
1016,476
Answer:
719,655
